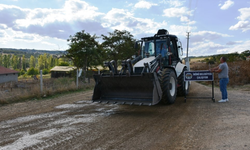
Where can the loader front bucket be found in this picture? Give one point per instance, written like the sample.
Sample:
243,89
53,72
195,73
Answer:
136,89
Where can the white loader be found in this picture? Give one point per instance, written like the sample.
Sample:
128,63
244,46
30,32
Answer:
156,75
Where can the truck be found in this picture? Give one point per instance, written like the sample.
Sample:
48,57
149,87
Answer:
155,75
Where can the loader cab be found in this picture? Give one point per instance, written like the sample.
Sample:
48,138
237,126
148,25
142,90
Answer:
169,46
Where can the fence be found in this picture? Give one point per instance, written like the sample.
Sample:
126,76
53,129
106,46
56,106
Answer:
31,88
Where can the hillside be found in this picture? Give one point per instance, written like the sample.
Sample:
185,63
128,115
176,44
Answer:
29,52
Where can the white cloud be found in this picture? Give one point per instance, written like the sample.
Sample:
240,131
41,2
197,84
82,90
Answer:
244,14
73,10
233,42
75,15
183,13
144,4
18,39
173,3
122,19
179,29
239,47
176,12
205,48
3,26
244,20
204,43
184,19
210,34
226,5
241,25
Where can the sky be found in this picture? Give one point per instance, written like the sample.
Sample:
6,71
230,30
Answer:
215,26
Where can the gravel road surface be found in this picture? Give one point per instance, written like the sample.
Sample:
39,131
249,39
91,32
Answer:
72,121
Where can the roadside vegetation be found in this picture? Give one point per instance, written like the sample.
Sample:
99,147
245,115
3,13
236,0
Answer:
239,70
29,89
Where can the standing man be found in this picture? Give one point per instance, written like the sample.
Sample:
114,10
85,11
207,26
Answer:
222,69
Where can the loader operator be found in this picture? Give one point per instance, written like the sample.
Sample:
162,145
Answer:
222,69
162,49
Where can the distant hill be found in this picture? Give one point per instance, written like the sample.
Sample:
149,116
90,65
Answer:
29,52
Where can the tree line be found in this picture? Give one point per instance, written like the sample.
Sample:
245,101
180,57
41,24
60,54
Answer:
230,57
32,65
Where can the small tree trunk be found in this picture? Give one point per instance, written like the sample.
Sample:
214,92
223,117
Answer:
84,70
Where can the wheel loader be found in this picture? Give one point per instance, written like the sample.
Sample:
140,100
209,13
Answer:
155,75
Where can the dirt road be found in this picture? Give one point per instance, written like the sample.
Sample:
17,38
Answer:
73,122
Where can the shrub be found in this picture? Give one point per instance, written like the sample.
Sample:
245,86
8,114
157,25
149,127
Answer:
45,71
22,72
33,71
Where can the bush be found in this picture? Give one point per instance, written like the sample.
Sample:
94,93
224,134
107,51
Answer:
22,72
33,71
210,62
45,71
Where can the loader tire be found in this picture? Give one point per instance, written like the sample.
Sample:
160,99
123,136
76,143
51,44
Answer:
168,86
183,86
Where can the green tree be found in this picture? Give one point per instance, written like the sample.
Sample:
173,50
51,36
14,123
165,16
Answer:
33,71
1,60
14,62
8,61
119,45
22,72
11,61
45,61
19,64
23,63
50,61
245,54
40,62
45,71
32,62
83,49
56,61
5,61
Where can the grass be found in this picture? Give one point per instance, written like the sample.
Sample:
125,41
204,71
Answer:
24,77
30,89
197,59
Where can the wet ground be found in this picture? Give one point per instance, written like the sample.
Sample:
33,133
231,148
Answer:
73,122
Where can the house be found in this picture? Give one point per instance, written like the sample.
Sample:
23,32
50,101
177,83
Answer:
7,75
62,71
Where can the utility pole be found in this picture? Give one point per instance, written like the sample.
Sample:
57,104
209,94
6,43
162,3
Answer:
187,59
187,42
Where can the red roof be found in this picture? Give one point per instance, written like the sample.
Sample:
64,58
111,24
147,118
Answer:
4,70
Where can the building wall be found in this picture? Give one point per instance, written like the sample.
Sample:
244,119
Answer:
8,77
57,74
